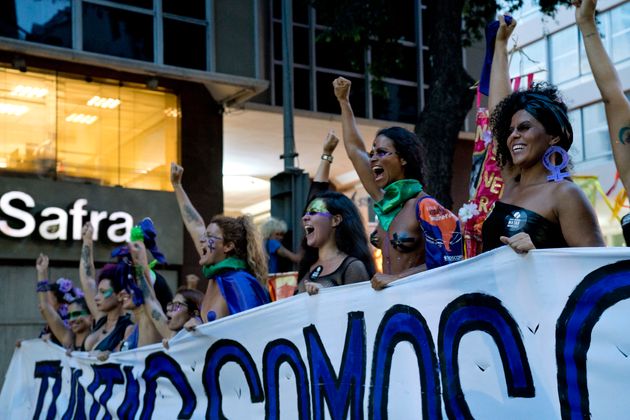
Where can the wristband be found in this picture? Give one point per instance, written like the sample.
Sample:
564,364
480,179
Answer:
43,286
327,157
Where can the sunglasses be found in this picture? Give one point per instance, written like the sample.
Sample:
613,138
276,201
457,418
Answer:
380,153
77,314
175,306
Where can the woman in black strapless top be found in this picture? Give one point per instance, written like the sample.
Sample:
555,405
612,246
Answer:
533,212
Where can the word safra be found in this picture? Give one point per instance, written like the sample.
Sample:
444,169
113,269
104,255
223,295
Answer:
53,221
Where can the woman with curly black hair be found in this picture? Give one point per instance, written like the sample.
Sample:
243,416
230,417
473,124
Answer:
540,206
335,244
415,232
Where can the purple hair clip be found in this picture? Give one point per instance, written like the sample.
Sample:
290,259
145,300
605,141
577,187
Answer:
63,310
65,285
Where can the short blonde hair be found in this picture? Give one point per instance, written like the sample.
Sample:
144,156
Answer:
272,225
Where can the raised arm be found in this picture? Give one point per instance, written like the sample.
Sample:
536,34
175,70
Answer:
500,73
352,141
323,170
500,81
50,315
615,102
192,219
87,272
152,306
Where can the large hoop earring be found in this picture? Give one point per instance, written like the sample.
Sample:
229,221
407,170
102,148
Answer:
556,170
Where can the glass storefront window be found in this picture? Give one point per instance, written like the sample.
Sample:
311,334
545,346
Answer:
564,55
27,122
596,137
117,32
43,21
72,129
620,29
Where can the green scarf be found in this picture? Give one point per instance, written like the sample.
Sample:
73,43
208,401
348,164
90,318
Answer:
396,194
233,263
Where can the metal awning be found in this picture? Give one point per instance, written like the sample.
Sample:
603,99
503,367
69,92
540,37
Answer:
228,90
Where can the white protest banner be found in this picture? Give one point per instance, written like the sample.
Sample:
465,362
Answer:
542,335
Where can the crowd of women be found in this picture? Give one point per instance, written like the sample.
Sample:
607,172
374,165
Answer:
127,304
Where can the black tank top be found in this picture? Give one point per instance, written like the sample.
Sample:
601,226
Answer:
508,220
336,278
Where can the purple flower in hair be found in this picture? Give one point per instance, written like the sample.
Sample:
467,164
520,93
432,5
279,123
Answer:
78,293
65,285
63,311
69,297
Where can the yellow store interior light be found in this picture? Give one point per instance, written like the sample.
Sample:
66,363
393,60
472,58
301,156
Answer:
106,103
11,109
81,118
29,92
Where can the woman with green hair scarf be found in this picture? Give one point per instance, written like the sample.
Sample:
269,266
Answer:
231,255
414,232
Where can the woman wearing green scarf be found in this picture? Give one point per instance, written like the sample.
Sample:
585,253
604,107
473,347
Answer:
231,255
415,232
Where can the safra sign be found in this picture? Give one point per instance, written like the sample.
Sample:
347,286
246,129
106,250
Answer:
56,223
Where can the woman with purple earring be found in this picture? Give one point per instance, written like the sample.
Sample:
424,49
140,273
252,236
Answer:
541,207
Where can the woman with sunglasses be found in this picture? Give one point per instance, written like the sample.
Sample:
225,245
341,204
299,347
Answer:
184,306
414,232
231,255
104,297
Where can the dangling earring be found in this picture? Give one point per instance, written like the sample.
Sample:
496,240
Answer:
556,170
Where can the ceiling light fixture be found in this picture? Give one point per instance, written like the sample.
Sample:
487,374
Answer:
10,109
106,103
29,92
173,112
81,118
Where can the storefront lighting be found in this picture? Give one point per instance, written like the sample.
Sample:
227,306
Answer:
173,112
29,92
10,109
81,118
106,103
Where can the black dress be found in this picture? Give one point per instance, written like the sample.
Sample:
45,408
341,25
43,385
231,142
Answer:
508,220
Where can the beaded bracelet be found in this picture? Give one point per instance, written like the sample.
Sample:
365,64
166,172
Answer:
43,286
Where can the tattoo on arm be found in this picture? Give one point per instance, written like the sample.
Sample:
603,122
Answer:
144,286
156,315
86,258
624,135
190,214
